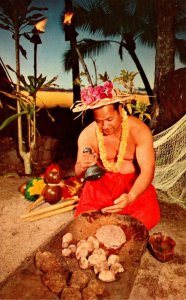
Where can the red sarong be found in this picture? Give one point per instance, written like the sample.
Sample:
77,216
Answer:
101,193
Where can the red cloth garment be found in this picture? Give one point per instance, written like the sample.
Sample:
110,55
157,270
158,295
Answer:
102,193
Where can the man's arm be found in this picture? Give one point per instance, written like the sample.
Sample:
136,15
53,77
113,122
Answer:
146,161
84,160
145,158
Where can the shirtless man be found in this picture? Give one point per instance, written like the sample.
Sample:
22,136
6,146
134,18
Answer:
126,186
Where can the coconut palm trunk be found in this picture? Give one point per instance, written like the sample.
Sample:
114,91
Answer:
165,51
165,45
140,69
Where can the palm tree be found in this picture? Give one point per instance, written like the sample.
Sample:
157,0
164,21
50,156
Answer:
70,35
15,16
127,21
170,22
109,18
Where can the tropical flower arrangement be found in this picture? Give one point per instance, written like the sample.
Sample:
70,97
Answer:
95,93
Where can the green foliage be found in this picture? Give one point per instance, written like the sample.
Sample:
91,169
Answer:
27,103
16,15
104,77
135,108
126,79
139,109
34,84
11,119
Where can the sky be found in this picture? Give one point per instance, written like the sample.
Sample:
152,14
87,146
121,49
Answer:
50,52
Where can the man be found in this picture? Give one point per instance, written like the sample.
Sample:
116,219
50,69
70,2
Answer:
123,146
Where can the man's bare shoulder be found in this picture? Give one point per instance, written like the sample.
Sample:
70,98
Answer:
88,132
138,129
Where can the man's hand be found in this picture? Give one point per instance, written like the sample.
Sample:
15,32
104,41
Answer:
88,160
119,203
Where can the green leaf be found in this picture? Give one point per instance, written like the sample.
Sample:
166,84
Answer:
40,82
104,77
23,81
8,67
31,81
11,119
50,82
148,116
23,51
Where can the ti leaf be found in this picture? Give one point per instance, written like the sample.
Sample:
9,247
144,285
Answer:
11,119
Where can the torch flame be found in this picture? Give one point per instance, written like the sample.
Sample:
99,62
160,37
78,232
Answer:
68,17
40,26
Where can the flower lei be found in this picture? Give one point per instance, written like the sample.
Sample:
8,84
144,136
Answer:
114,166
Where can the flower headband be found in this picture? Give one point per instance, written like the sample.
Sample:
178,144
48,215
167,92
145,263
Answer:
97,96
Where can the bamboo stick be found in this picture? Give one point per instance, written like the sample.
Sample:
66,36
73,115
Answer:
36,203
50,208
52,213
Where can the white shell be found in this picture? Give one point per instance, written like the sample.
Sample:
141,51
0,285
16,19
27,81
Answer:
81,252
88,245
117,268
72,247
66,239
83,263
112,259
96,259
101,267
94,241
66,252
106,276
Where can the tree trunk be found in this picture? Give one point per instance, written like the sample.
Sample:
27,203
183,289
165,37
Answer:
165,46
73,44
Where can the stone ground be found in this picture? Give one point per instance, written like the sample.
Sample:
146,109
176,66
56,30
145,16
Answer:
19,239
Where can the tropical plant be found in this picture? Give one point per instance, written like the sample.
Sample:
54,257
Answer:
29,88
129,21
134,107
108,18
126,78
15,16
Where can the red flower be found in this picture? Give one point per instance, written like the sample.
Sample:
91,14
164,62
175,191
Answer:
92,94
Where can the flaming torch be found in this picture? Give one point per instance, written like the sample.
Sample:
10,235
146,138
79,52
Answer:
67,25
35,39
70,35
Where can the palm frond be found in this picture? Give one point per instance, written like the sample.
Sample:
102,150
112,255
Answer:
88,48
68,57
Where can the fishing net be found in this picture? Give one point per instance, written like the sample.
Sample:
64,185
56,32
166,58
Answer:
170,174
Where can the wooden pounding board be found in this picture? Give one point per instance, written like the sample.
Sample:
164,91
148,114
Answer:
26,283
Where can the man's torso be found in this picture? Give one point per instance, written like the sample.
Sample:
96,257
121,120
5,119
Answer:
112,144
